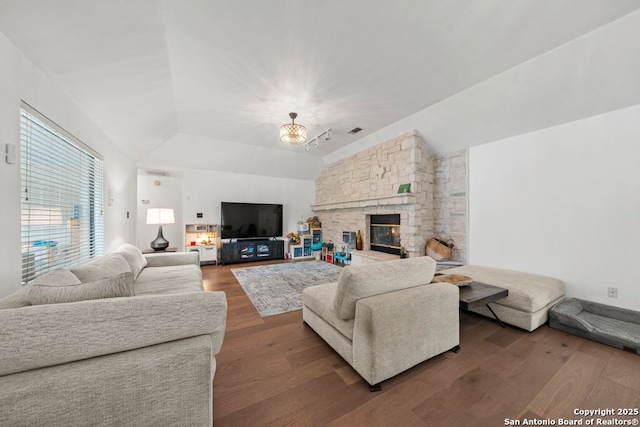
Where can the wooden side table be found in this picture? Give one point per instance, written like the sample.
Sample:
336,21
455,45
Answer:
151,251
476,293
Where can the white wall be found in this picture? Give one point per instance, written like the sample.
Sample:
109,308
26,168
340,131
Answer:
21,80
190,191
564,202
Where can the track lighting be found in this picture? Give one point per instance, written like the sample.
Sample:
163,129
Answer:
316,140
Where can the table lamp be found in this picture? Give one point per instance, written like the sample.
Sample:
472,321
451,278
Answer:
160,216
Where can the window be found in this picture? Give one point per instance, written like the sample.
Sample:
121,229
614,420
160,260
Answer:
62,205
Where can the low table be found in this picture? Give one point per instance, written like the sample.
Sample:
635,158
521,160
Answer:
476,293
151,251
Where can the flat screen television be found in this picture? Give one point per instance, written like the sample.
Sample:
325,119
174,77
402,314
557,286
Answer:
250,220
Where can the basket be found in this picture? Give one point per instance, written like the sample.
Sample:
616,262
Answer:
439,249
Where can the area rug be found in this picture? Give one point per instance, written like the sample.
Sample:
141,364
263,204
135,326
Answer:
277,288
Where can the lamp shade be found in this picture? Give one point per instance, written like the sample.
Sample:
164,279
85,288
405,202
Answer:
160,216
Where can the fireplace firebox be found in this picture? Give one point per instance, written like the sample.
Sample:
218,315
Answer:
385,233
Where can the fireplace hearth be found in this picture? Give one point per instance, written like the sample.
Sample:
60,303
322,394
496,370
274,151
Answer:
385,233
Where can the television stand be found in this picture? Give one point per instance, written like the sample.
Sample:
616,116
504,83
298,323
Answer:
253,239
252,249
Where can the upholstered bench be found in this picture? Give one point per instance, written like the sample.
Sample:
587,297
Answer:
530,295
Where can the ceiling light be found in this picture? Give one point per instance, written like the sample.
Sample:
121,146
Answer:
291,133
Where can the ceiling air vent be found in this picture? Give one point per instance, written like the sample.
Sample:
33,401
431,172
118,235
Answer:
355,130
157,173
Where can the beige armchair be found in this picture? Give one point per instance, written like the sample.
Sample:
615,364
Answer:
386,317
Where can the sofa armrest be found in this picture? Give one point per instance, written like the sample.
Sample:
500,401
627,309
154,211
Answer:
45,335
398,330
166,259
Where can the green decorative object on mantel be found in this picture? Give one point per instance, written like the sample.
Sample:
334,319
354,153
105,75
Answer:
404,188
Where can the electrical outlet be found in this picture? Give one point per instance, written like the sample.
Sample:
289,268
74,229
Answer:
612,292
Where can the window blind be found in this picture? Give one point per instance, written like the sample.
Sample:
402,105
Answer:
62,223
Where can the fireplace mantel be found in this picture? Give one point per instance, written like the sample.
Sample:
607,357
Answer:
406,199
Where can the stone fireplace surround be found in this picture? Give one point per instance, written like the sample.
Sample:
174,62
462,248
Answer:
350,190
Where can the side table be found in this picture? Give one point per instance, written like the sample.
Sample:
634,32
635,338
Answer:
476,293
151,251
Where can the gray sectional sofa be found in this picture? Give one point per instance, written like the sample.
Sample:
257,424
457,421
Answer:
383,318
126,340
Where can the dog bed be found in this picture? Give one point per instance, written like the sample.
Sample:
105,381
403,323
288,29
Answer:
614,326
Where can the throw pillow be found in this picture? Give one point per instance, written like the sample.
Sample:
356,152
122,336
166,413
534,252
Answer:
56,278
53,291
134,257
364,280
19,298
108,265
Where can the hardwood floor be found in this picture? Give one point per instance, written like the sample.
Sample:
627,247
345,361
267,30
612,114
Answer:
275,371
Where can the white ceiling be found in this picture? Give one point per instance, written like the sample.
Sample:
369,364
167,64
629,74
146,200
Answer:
462,72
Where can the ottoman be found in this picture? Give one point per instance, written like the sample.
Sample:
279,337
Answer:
530,295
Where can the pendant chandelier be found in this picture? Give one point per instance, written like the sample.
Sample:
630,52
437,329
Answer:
291,133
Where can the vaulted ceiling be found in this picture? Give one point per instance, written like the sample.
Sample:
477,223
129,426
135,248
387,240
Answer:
462,72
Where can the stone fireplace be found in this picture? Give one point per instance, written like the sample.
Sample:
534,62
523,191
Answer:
352,190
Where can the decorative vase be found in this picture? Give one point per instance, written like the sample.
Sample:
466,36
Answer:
359,241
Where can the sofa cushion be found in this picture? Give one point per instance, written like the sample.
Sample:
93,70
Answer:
360,281
169,280
59,277
319,299
108,265
60,286
527,292
133,256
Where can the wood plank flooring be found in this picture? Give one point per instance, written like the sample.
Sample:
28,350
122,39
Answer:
275,371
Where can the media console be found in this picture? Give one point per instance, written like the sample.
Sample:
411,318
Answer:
248,250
